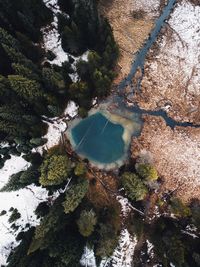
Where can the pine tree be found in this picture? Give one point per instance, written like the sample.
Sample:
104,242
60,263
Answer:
55,170
28,89
74,195
53,80
86,222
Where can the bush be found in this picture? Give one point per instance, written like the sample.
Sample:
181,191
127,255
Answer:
134,187
179,208
147,172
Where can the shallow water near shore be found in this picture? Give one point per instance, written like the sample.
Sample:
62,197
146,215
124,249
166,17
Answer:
103,138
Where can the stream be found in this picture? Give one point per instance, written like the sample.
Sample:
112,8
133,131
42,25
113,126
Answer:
139,64
100,133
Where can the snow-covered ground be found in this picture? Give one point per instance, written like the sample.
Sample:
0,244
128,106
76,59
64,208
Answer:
172,69
57,126
150,7
11,166
123,254
88,258
52,40
125,206
25,200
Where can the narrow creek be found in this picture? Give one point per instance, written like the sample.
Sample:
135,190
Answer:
87,136
139,63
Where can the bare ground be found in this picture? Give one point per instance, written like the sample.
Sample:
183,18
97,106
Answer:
132,21
175,154
172,69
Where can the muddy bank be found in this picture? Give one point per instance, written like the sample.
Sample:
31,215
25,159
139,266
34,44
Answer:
175,154
172,70
132,21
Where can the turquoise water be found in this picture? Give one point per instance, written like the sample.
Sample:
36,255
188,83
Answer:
98,139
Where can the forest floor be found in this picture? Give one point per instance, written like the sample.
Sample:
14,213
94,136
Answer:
132,22
171,81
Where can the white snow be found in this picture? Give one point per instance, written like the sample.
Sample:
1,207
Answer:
123,254
57,126
150,247
125,205
51,35
185,23
11,166
52,41
53,135
25,200
88,258
71,109
150,7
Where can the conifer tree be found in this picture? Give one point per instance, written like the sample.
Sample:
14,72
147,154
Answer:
55,170
74,195
86,222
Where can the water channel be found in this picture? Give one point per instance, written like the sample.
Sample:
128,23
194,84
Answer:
105,139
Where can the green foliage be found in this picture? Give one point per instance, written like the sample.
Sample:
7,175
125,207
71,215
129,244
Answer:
42,209
24,71
102,83
55,170
133,186
21,179
176,251
74,195
136,226
53,80
80,169
71,40
108,240
26,88
147,171
86,222
79,92
179,208
195,212
38,141
42,232
8,40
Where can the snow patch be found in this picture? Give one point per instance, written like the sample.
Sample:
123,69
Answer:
52,41
71,109
123,254
25,200
150,7
125,206
150,247
13,165
88,258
